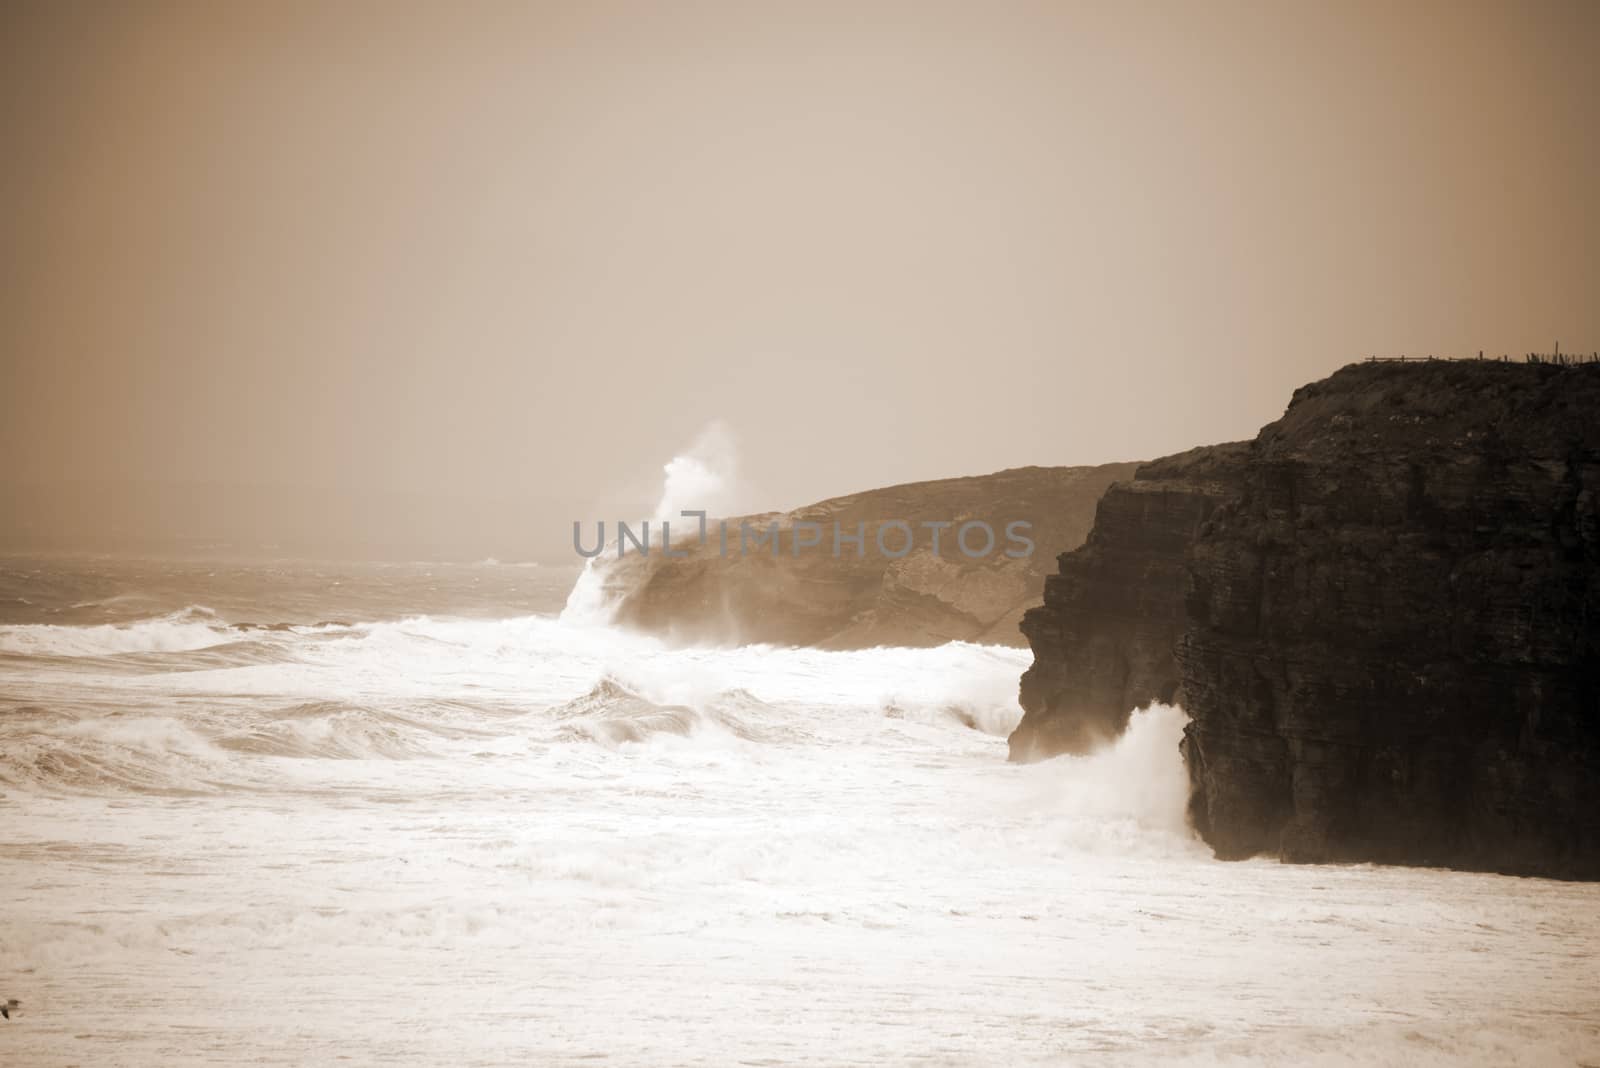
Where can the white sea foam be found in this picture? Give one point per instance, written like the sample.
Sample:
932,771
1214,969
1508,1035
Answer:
444,841
191,629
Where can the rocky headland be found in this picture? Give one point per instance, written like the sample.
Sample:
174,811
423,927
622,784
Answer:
862,599
1382,616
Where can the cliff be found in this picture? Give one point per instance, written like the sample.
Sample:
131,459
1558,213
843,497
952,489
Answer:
1104,638
851,601
1389,643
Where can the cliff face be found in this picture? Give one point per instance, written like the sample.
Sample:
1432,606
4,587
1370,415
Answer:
1393,649
1390,639
851,601
1104,638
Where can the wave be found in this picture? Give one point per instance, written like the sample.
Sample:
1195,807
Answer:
613,714
335,731
246,695
195,627
1127,798
54,751
147,754
228,654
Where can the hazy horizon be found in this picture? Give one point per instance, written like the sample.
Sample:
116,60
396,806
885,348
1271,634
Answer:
453,277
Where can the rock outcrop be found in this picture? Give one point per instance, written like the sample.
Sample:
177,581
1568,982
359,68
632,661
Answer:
1390,628
864,599
1105,636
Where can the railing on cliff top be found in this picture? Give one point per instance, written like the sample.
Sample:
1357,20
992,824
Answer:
1550,359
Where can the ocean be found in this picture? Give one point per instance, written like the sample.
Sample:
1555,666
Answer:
310,814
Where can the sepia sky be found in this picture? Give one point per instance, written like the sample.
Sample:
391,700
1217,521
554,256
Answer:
491,265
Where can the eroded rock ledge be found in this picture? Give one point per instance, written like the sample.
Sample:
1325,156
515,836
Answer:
1382,615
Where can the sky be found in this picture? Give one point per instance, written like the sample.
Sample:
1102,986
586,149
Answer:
446,277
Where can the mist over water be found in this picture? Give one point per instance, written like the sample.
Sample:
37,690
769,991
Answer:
448,839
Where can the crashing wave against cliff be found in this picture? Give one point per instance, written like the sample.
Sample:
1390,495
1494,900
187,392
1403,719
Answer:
1381,616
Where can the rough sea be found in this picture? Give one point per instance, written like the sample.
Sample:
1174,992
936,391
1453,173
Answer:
314,814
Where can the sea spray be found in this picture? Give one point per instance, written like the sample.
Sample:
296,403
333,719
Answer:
703,477
1128,797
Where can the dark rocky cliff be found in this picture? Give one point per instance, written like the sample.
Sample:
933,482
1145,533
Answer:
857,601
1104,638
1390,639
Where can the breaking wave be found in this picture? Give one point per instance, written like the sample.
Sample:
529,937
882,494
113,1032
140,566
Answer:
187,702
192,628
612,715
